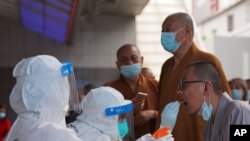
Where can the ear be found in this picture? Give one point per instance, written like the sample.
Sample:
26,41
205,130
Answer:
207,87
189,31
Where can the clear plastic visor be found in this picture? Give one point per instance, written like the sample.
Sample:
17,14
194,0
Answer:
125,114
67,71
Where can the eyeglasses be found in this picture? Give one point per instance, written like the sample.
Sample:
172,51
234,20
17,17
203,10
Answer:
183,83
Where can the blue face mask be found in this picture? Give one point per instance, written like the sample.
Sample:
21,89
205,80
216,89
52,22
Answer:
236,94
2,115
168,41
205,111
131,71
123,128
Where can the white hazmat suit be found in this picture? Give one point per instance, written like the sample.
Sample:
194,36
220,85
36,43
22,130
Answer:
40,98
93,124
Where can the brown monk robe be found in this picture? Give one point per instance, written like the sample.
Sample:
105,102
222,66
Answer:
146,85
189,127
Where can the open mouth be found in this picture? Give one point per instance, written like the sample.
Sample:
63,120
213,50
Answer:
183,102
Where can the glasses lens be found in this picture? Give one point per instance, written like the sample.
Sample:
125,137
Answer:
183,83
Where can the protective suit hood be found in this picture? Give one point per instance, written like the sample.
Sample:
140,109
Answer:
94,105
40,91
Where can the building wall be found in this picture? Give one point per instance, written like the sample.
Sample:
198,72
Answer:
93,49
219,24
234,54
231,47
148,26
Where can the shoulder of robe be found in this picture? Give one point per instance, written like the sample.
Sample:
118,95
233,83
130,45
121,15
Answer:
209,56
110,83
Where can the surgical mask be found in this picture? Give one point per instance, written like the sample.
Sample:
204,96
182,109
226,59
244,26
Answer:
205,111
248,95
168,41
131,71
236,94
2,115
123,128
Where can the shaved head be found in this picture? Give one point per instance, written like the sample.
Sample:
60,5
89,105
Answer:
182,19
125,46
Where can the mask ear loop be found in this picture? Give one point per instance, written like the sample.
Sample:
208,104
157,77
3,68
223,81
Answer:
208,96
204,97
183,38
209,104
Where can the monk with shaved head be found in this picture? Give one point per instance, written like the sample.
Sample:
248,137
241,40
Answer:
177,38
131,82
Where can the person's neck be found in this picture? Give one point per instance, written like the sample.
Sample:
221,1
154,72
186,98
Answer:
214,99
179,54
133,82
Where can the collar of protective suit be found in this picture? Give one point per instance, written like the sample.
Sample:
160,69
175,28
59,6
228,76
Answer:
168,85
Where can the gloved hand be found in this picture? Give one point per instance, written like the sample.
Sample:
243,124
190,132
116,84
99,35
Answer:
169,114
146,137
160,135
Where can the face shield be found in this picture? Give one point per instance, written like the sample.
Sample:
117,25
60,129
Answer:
67,71
125,123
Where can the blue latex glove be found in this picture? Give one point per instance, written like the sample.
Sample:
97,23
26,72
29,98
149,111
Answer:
169,114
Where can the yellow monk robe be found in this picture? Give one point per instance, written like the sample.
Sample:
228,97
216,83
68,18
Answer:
146,85
188,127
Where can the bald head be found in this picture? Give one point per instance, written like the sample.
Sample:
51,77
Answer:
125,47
181,19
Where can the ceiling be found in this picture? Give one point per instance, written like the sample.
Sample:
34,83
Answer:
9,9
54,18
86,8
112,7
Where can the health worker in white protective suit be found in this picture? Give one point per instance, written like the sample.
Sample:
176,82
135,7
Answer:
41,99
107,116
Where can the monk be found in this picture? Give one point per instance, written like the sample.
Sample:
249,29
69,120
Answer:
177,38
148,72
131,82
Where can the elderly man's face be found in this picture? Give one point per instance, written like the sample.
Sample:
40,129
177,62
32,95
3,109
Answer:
172,25
191,91
128,56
